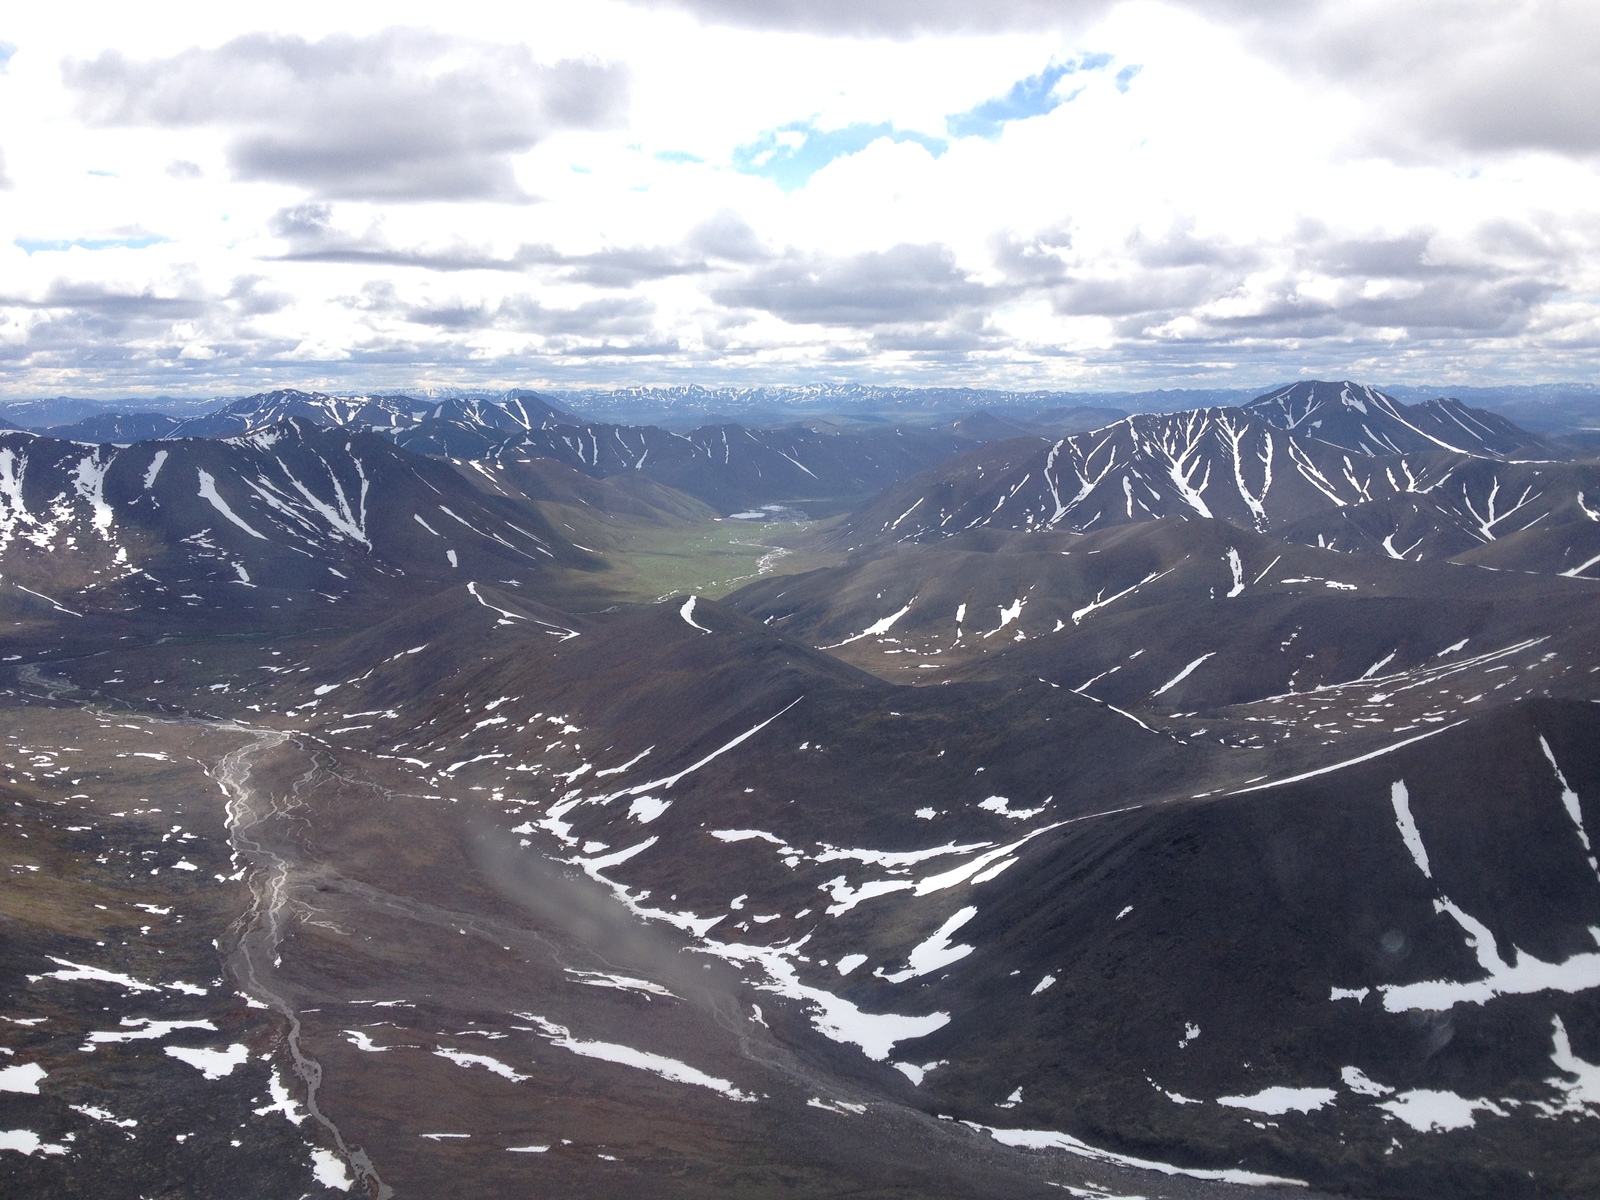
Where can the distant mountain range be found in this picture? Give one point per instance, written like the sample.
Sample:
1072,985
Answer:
730,467
1338,465
1544,408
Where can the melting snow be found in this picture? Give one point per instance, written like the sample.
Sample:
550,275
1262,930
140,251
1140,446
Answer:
493,1065
1048,1139
936,951
25,1141
1181,675
656,1064
915,1073
1401,800
645,809
999,804
832,1016
877,627
622,983
669,780
154,469
846,897
1569,800
1358,1083
329,1170
75,973
1426,1110
842,1107
100,1114
1584,1088
687,613
1275,1101
24,1077
141,1029
208,492
213,1064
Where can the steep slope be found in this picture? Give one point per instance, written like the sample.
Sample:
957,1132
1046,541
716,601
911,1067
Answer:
1194,616
1397,489
1365,421
726,466
291,514
121,428
1373,971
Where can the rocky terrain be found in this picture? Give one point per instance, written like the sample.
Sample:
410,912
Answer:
1201,806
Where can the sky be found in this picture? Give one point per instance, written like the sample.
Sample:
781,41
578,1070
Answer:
1060,194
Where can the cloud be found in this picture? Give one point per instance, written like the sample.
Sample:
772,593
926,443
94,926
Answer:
904,284
399,115
1476,75
791,154
891,18
1031,97
110,302
252,296
726,235
1471,75
5,180
622,316
314,238
1413,288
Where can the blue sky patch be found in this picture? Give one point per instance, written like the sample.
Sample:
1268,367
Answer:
1125,76
1031,97
34,245
677,156
6,51
791,154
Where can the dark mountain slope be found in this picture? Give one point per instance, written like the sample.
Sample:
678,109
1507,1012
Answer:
1402,491
1309,980
121,428
1274,975
726,466
217,528
1365,421
1119,614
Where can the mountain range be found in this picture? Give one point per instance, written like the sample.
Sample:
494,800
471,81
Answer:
1199,805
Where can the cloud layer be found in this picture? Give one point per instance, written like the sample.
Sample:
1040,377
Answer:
401,115
1030,193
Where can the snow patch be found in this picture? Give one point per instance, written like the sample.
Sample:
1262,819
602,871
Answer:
1429,1111
687,613
1276,1101
1401,799
213,1064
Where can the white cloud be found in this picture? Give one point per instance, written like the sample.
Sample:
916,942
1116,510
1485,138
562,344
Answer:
223,199
400,115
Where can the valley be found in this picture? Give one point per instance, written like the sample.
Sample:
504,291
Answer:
1202,805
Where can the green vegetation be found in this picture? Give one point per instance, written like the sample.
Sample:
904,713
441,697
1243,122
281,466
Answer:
710,559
